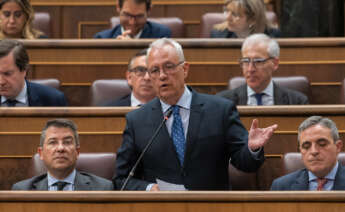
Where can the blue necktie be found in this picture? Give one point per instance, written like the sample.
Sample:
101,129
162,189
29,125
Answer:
258,97
177,133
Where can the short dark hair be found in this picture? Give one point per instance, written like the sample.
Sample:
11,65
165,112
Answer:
146,2
142,52
20,55
319,120
60,123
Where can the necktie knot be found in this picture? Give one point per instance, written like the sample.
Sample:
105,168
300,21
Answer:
321,183
176,110
11,102
258,97
60,185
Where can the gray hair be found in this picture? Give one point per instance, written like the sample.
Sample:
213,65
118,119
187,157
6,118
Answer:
319,120
273,49
60,123
166,41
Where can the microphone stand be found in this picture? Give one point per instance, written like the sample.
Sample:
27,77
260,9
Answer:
131,173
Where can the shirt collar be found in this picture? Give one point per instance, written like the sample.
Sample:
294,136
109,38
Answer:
136,36
69,179
184,102
21,98
267,91
329,176
134,101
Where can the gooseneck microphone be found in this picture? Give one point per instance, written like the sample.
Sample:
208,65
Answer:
131,173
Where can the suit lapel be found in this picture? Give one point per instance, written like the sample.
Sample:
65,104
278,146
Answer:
146,32
33,99
163,137
41,184
302,181
339,182
242,95
195,119
82,183
280,97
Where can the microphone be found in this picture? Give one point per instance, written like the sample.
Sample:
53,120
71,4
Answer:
131,173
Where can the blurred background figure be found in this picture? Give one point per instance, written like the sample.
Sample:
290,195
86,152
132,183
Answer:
16,17
243,18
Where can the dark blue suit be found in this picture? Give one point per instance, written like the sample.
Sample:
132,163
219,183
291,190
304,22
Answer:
41,95
123,101
299,180
215,134
151,30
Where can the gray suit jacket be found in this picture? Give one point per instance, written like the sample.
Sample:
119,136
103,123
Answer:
299,180
83,182
282,96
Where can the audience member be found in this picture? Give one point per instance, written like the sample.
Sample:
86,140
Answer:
244,17
59,150
16,20
204,132
260,58
319,143
133,22
139,81
14,89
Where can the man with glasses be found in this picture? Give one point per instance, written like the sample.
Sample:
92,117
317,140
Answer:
260,58
195,145
133,22
139,81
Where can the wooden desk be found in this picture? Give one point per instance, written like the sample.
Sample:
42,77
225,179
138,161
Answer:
172,201
101,129
77,63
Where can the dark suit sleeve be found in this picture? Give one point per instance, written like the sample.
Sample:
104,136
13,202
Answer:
126,157
237,138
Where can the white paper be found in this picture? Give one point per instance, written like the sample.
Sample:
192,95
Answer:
166,186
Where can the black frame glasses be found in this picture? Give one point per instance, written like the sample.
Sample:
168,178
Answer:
257,62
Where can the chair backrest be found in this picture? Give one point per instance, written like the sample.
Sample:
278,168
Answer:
42,22
298,83
292,161
105,90
100,164
54,83
342,93
208,20
174,23
240,180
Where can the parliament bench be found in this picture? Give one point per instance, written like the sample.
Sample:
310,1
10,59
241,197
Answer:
100,130
78,63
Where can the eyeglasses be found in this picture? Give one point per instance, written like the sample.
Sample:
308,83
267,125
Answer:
168,68
139,71
128,16
257,62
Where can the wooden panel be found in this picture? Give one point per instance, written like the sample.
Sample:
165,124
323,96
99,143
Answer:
101,129
77,63
187,201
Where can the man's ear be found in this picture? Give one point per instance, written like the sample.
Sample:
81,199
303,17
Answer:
339,144
39,151
129,78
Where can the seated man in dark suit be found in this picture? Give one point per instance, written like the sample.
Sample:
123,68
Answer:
260,58
319,143
195,145
139,81
14,89
133,22
59,150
